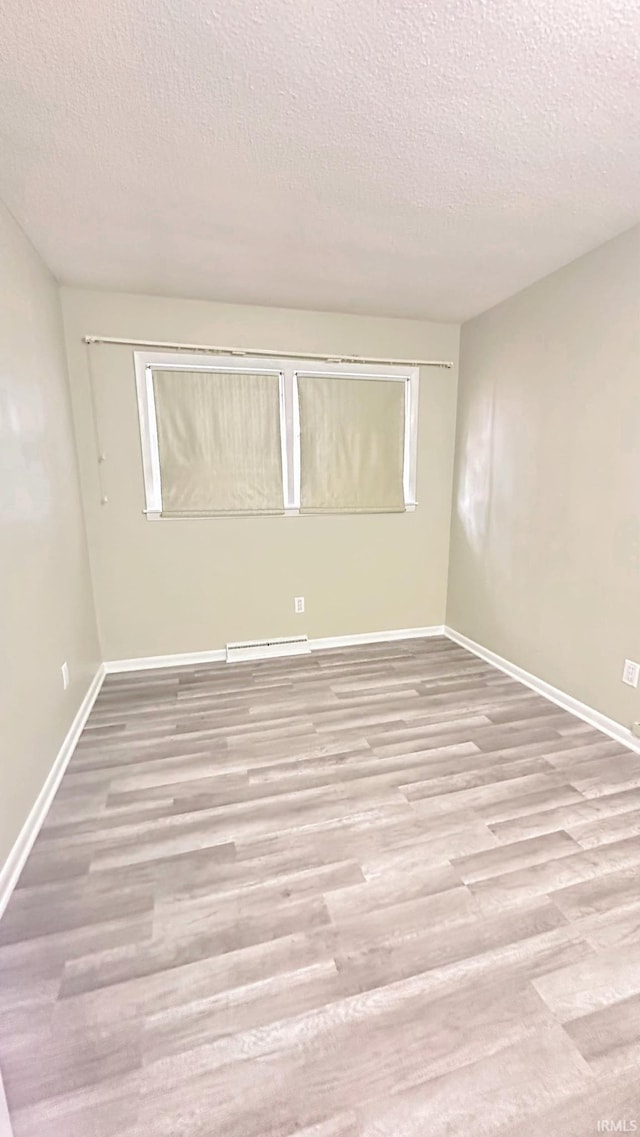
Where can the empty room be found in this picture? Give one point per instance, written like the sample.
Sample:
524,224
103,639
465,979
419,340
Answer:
320,568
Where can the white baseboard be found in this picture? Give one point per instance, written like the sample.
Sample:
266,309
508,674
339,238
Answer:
588,714
153,662
327,642
192,658
14,863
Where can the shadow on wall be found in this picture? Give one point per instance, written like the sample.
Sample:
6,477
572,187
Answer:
475,484
484,461
5,1121
25,489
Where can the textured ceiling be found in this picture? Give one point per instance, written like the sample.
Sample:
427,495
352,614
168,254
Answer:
401,157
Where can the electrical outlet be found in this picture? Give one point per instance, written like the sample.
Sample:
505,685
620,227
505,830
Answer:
631,672
298,603
65,675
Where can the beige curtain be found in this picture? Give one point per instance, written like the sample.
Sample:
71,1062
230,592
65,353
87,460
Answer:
219,442
351,445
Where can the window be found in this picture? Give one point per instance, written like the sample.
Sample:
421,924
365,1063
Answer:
237,435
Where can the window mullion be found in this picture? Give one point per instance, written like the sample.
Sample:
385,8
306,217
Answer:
284,448
292,501
295,446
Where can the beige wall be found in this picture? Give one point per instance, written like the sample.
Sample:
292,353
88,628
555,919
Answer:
46,610
545,550
180,586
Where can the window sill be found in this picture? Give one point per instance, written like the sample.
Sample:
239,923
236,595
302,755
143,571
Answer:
150,515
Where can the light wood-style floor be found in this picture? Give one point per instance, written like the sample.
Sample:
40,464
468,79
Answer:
384,891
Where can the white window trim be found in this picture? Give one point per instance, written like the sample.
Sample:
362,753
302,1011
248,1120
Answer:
287,371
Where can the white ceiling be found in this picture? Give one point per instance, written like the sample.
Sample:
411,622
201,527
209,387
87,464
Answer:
397,157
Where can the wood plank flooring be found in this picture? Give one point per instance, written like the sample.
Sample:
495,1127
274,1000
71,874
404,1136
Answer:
384,891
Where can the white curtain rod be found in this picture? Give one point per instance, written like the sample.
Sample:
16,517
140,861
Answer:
266,353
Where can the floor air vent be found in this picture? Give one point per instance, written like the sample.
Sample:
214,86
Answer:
267,649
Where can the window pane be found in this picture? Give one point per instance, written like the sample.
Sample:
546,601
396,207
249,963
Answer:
218,442
351,444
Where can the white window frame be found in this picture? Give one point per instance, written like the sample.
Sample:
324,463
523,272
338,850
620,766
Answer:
288,370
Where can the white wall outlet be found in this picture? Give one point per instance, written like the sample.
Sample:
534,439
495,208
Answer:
298,603
65,675
631,672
